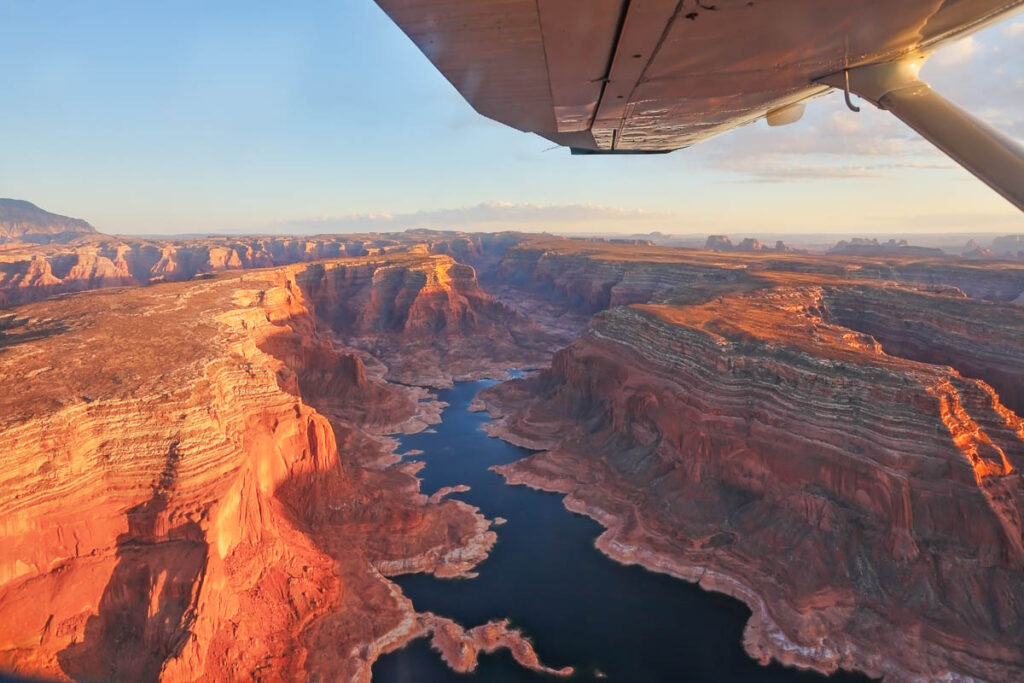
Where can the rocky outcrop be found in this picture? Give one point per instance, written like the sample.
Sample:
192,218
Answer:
460,648
207,495
573,278
991,281
483,251
789,441
939,326
723,243
38,272
1008,246
98,261
588,276
426,318
40,277
592,276
22,221
861,246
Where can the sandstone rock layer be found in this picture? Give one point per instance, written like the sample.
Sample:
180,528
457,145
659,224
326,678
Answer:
196,478
195,485
809,445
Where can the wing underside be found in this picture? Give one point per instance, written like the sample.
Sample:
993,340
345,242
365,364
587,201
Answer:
658,75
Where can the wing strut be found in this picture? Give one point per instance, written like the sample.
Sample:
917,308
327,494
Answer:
846,92
995,158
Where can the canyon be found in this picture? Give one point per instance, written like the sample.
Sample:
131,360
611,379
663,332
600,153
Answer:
200,474
197,481
811,417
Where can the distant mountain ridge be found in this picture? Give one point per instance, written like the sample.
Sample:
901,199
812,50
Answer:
22,221
861,246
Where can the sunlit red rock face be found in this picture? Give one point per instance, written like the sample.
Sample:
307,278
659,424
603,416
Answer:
193,485
753,437
586,275
426,317
31,272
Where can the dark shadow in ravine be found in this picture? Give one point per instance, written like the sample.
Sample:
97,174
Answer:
935,340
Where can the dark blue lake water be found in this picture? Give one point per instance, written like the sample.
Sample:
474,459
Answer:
578,607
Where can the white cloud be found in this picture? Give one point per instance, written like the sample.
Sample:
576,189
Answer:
780,169
845,122
1014,30
957,54
980,73
775,169
831,142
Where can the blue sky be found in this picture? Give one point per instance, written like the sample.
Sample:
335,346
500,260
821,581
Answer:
210,117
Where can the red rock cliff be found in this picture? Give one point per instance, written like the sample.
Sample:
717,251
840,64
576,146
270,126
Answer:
175,505
34,272
594,276
426,317
866,506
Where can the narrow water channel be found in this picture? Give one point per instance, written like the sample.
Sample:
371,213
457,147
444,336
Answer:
609,621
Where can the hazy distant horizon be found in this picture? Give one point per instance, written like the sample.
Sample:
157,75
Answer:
735,234
815,241
575,221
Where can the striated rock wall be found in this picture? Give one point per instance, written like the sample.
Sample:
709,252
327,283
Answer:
865,505
175,505
592,276
992,281
980,341
426,317
579,279
579,275
34,273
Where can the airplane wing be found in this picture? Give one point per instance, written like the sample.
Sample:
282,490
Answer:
647,76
